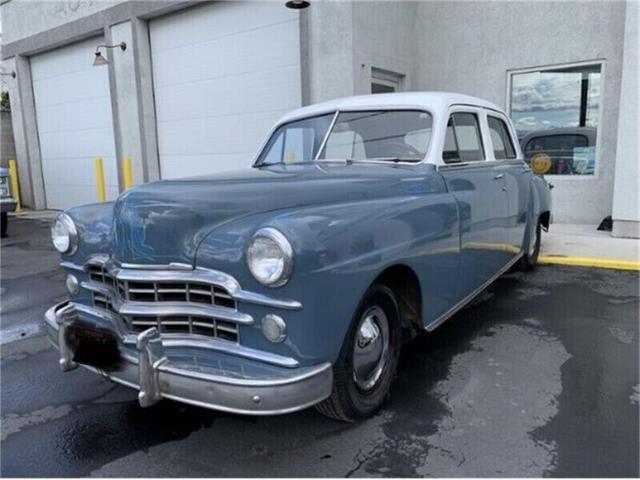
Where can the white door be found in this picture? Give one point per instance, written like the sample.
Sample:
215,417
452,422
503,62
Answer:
73,111
222,74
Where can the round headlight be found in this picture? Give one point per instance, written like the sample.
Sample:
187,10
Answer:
270,257
64,234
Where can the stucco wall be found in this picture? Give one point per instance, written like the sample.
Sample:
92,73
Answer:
23,18
384,38
468,47
626,199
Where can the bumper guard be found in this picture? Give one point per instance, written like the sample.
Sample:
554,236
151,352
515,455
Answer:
156,377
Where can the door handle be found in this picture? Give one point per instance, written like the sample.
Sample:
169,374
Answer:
499,176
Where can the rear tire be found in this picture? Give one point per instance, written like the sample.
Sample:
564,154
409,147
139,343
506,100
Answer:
530,259
368,360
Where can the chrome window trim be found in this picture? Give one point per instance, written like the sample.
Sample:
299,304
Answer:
326,135
479,164
362,108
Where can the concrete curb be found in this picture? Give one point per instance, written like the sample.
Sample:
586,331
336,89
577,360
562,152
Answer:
589,262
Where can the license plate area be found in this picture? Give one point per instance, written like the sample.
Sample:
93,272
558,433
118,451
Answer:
95,347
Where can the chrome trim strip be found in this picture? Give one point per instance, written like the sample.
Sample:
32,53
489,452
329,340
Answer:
72,266
479,164
239,381
260,299
452,311
151,309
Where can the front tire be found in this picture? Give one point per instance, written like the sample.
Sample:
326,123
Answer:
530,259
368,360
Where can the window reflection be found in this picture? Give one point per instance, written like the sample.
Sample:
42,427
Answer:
555,112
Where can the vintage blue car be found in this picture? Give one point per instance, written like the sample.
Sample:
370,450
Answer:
362,222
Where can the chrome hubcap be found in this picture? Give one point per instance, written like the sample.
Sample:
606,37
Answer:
371,348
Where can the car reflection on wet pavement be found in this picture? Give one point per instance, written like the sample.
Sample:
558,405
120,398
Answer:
538,377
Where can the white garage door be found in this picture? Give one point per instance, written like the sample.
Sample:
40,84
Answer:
222,74
75,125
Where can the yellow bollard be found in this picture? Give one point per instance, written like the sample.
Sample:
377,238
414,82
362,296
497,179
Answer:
102,196
15,186
127,173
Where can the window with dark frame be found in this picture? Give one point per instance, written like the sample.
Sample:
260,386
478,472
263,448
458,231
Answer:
463,142
503,148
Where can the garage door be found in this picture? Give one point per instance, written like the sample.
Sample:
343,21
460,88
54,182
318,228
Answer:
222,74
75,125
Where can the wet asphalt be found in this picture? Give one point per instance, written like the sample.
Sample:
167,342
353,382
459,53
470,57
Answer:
538,377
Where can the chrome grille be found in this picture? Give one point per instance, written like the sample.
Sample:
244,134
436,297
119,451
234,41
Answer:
160,291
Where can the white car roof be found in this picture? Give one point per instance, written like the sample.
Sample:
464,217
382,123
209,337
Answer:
434,101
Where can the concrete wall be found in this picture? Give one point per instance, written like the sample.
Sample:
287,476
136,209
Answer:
24,18
384,38
7,145
626,199
468,47
348,39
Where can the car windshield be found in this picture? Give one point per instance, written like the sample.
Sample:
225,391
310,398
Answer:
384,135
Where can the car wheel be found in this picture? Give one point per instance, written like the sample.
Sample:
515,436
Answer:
4,224
530,259
368,360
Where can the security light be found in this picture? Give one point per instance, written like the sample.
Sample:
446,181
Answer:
99,59
297,4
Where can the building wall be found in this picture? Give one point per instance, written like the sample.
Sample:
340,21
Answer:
469,47
22,18
626,199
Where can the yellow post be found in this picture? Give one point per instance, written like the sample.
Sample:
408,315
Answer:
102,196
15,186
127,173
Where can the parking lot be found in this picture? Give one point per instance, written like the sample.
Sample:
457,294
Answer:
538,377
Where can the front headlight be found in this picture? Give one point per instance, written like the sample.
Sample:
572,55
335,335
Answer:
270,257
64,234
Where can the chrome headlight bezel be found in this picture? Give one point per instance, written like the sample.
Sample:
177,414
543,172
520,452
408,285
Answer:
274,238
62,227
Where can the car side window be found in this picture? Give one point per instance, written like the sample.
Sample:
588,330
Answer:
501,139
463,142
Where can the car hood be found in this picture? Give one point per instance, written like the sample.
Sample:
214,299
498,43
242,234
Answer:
164,222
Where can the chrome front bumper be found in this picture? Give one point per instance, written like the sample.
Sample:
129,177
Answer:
152,371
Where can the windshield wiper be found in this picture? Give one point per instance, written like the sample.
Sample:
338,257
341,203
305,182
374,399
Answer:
394,159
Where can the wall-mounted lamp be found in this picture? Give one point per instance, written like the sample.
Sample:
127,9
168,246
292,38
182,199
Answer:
297,4
99,59
11,74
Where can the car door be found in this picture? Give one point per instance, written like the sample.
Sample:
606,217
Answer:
517,180
480,196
